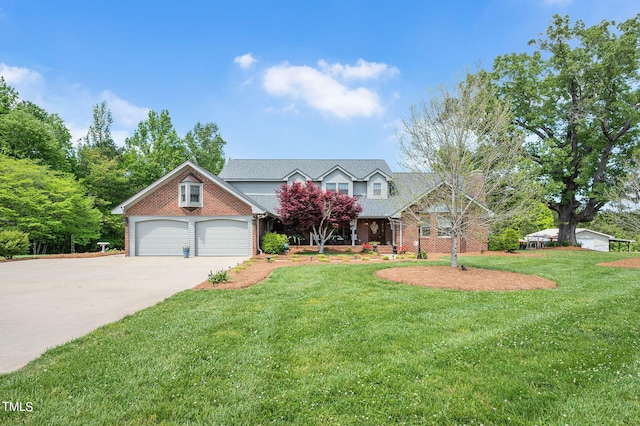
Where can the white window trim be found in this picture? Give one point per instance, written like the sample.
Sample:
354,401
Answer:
377,186
337,187
422,234
187,194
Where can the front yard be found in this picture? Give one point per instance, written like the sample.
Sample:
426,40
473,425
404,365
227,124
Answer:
334,344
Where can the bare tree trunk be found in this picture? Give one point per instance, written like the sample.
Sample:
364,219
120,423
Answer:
454,250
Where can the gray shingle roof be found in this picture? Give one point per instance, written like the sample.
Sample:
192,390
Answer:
279,169
407,186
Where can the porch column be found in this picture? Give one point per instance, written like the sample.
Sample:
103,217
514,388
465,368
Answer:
354,226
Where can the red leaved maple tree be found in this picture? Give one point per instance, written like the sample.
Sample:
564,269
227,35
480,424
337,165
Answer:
307,208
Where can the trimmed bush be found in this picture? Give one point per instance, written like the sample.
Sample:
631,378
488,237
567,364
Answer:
510,240
13,243
495,242
273,243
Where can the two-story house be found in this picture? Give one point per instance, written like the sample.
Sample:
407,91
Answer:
228,214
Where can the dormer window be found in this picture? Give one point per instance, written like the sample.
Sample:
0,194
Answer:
190,194
377,189
341,188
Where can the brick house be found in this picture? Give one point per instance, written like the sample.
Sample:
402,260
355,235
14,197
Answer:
228,214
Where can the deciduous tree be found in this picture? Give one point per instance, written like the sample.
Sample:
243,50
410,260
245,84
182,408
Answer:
309,209
154,149
28,131
8,97
462,147
576,97
48,205
204,147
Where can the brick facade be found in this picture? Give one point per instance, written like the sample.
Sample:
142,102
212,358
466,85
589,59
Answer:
163,202
216,201
476,240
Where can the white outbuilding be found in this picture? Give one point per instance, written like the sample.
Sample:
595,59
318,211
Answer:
586,238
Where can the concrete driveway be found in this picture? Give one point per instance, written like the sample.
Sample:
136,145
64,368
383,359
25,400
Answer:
47,302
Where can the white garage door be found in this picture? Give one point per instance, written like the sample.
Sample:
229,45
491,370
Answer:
161,237
223,237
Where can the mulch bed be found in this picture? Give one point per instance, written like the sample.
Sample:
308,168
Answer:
633,262
428,276
471,279
66,256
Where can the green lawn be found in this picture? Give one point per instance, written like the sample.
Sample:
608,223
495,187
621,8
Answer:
333,344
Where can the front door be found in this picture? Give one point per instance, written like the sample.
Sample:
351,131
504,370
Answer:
377,231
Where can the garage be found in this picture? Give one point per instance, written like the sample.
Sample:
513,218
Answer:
161,237
223,237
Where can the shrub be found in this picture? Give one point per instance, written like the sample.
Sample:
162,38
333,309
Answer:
13,243
219,277
510,240
495,242
273,243
367,248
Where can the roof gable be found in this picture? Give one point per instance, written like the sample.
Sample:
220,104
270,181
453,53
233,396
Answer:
120,209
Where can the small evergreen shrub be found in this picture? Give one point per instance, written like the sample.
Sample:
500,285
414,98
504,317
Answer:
495,242
13,243
273,243
510,240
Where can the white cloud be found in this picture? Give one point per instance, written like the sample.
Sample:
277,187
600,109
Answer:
363,70
124,112
245,61
28,83
322,90
74,103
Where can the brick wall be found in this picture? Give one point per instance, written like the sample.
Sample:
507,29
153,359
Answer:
475,240
216,201
163,201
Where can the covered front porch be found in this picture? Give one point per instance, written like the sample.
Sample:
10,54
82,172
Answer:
375,231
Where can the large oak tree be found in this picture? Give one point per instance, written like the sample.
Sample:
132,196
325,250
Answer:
577,95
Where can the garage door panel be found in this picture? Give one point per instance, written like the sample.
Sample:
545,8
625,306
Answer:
222,237
161,237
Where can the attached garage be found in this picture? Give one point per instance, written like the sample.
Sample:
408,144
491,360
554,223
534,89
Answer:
190,207
223,237
161,237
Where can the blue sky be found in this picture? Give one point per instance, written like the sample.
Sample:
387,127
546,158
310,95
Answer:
282,79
